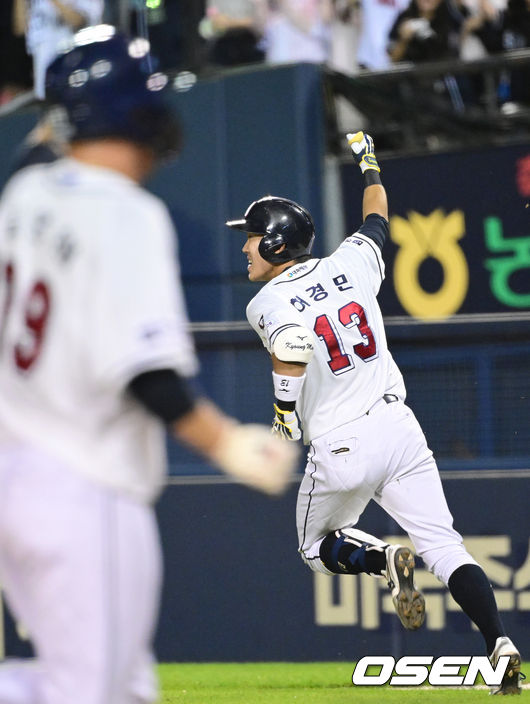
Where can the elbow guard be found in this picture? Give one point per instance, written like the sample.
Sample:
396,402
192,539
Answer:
294,344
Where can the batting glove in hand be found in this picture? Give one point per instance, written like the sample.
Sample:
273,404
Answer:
362,146
286,424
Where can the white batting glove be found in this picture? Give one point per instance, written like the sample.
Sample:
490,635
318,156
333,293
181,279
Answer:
362,146
286,424
251,455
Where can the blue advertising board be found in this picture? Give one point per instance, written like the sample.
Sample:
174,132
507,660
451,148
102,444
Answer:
459,232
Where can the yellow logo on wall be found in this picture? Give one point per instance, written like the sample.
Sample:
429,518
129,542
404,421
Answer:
435,235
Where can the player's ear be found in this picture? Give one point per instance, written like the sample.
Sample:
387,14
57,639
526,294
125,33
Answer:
278,251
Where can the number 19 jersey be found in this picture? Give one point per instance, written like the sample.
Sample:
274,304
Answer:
90,297
335,298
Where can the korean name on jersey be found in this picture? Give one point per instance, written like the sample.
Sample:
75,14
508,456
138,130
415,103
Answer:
335,297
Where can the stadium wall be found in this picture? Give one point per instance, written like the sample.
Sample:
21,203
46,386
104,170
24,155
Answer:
236,590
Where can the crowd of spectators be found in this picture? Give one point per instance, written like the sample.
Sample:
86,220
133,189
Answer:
347,35
354,35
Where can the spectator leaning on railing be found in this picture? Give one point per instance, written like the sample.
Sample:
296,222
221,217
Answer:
425,31
504,29
428,30
481,21
232,29
49,23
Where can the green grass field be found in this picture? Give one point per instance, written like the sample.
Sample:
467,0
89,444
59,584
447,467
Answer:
282,683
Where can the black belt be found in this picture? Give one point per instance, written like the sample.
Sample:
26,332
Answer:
387,398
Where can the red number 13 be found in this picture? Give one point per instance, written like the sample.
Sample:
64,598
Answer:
350,315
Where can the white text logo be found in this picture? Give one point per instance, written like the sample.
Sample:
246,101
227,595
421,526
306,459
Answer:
413,670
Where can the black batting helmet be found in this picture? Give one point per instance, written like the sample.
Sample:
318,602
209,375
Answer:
107,87
281,222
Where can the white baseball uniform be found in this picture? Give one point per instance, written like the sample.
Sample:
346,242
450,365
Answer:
46,32
361,446
90,298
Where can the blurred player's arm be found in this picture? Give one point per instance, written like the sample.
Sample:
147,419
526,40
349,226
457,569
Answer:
375,203
246,452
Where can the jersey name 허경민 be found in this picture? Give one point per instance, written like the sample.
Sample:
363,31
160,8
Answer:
335,298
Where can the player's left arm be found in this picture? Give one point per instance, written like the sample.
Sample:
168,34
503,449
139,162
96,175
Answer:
375,202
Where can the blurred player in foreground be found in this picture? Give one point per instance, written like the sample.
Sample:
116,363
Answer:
94,358
320,321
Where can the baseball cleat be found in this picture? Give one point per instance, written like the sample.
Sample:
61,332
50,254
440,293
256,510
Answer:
408,602
511,682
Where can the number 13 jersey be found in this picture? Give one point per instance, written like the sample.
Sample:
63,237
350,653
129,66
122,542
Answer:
335,298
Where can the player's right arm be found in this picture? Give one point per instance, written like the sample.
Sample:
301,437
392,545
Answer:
246,452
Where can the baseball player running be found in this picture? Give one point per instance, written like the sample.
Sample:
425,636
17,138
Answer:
335,380
94,359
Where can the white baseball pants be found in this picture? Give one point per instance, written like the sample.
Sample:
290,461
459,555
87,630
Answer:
80,568
381,456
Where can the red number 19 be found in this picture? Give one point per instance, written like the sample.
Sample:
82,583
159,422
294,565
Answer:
36,314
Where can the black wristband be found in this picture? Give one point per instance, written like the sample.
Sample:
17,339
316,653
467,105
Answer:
285,405
372,178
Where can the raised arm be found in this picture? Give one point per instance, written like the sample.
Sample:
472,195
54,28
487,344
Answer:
375,207
374,201
374,198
